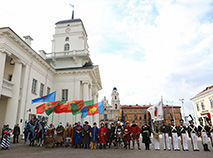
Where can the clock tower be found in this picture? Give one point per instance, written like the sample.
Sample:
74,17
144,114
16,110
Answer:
69,45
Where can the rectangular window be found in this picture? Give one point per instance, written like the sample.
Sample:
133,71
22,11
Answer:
48,90
211,103
64,94
41,89
34,85
198,109
105,116
202,105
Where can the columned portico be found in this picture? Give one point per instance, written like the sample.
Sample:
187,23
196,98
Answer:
12,105
2,67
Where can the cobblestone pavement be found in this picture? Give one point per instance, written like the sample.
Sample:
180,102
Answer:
22,150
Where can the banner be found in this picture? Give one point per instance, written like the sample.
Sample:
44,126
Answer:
47,98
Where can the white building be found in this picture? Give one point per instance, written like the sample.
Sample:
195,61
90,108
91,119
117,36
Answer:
203,103
26,74
111,112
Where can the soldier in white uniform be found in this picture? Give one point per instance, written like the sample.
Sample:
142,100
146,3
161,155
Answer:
193,133
210,131
174,135
165,134
202,131
182,133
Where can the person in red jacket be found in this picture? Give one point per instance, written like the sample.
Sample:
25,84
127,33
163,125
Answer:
5,144
126,134
102,136
135,130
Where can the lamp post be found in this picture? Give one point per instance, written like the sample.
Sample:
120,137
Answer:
182,101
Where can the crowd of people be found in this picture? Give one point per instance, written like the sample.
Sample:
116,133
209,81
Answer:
125,136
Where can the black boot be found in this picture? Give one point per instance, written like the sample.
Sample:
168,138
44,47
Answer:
100,146
207,149
85,146
139,147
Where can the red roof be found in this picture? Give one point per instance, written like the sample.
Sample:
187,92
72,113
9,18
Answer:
145,106
205,90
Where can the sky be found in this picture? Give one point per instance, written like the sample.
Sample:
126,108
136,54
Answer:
144,48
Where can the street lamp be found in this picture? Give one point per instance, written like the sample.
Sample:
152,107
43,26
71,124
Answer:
182,101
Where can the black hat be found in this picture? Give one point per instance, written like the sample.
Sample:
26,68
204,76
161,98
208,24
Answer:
200,119
191,121
94,123
86,122
181,120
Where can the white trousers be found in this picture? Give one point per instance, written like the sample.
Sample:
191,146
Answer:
184,141
175,141
204,138
156,144
194,141
166,143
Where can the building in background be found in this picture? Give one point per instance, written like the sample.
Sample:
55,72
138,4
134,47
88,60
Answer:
137,113
111,112
26,74
203,103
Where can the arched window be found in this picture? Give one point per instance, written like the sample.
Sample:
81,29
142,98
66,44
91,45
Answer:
140,118
66,47
177,111
67,39
125,117
130,117
136,117
140,111
130,111
144,111
116,106
125,111
135,112
115,97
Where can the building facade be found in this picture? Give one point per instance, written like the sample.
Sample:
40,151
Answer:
138,112
203,103
111,112
26,74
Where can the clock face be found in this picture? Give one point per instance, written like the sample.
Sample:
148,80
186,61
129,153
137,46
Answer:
67,30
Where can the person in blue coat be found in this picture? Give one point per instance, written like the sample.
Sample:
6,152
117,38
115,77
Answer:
94,136
77,135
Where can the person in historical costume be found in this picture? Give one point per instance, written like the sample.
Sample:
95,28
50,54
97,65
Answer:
210,131
94,136
5,144
4,126
164,129
193,134
156,134
16,133
127,135
173,131
68,134
118,135
86,135
73,134
202,132
135,130
77,135
102,136
146,133
36,135
112,135
182,133
108,134
49,141
59,135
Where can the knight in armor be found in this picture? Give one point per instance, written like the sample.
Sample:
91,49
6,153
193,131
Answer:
193,133
146,133
173,131
5,144
49,140
94,135
182,133
118,135
164,129
202,132
126,135
77,135
102,136
135,130
112,135
156,134
86,134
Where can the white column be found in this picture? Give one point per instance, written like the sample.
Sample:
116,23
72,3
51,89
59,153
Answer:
25,86
95,99
78,97
2,67
86,98
12,105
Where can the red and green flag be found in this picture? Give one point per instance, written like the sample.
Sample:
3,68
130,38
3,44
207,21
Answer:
49,107
66,107
40,109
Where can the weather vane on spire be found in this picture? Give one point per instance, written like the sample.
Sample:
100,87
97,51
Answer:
72,10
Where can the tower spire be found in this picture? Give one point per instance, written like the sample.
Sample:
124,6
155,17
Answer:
72,11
